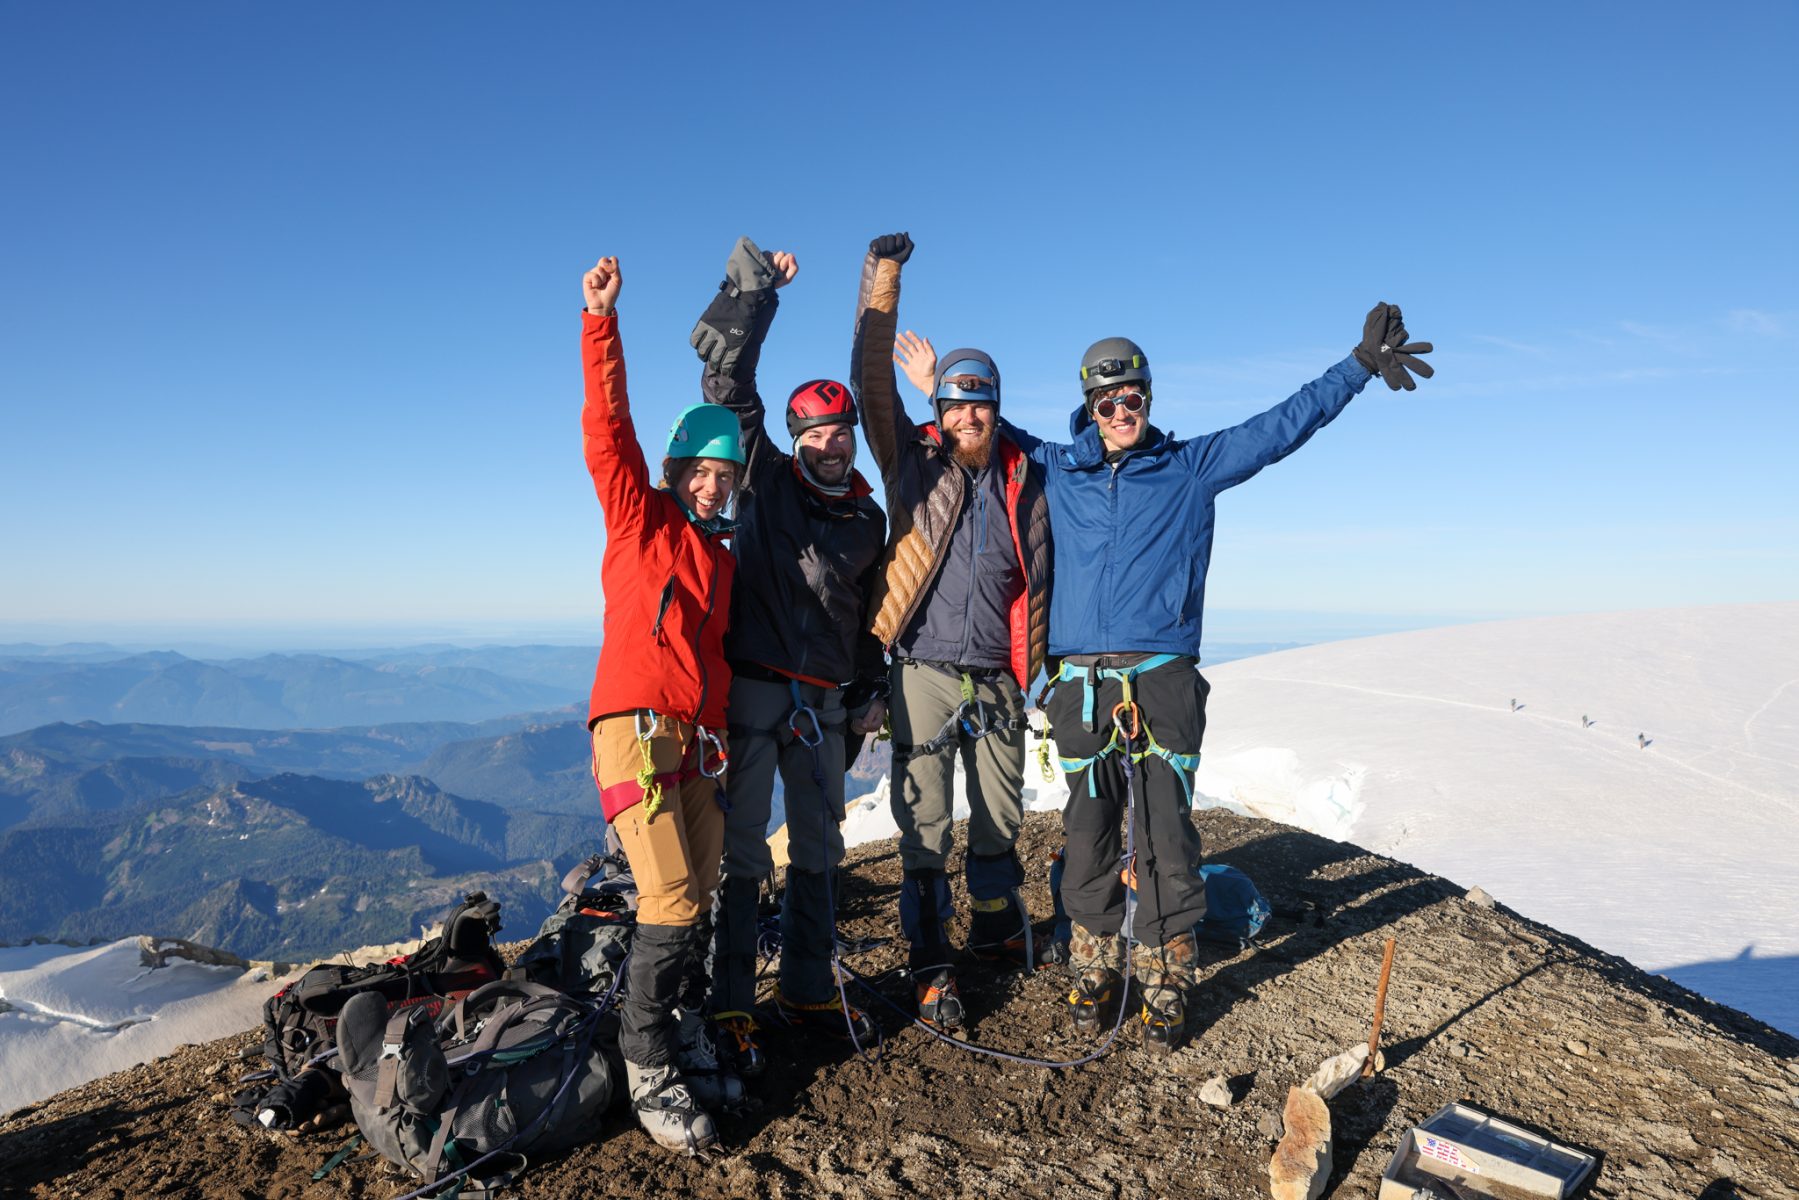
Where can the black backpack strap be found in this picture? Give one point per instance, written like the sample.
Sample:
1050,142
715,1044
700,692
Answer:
387,1070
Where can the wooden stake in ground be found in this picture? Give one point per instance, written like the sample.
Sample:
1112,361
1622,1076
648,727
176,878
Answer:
1380,1010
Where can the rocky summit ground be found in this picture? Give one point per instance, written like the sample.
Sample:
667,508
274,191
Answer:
1679,1097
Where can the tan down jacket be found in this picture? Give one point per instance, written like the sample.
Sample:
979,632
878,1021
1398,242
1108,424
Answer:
926,489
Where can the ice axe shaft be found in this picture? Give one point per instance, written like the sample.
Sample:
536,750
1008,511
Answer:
1380,1010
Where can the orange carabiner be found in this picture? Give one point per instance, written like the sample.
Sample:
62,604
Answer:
1136,728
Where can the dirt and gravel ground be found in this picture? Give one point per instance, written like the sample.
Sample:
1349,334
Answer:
1679,1097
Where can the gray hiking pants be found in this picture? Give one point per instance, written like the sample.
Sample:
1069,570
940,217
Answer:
762,743
924,700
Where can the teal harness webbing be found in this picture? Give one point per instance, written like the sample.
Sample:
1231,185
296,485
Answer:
1184,764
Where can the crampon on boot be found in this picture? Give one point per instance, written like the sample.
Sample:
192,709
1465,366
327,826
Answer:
939,1003
1097,962
666,1109
827,1017
1164,972
1164,1019
738,1040
1092,999
715,1087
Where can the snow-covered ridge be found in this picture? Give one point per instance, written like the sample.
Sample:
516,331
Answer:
69,1014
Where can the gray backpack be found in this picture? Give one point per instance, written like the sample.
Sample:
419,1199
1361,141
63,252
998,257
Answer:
582,947
513,1066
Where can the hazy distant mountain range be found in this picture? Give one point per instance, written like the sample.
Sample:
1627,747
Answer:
39,685
282,868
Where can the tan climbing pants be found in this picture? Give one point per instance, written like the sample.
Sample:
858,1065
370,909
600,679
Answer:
674,854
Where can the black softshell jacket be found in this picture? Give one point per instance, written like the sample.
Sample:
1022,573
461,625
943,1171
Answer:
806,562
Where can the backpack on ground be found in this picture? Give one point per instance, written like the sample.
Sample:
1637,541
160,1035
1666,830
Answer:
512,1067
581,947
300,1020
1235,907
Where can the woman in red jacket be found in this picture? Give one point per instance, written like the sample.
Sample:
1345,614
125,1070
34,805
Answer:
657,712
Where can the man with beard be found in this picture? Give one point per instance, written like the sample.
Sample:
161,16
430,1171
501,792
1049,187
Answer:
808,537
963,603
1133,508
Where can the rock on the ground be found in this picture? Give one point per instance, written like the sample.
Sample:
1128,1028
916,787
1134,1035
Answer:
1216,1091
1340,1070
1302,1162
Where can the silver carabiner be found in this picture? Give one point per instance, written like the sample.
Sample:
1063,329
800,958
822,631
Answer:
709,739
973,716
818,729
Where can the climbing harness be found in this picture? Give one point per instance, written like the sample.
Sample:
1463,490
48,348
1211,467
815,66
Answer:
972,719
649,785
1184,764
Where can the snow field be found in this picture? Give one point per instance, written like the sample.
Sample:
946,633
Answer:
75,1014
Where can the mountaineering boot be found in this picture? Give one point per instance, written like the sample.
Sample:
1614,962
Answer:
1164,973
738,1041
939,1003
996,930
714,1088
1097,960
666,1110
827,1017
999,927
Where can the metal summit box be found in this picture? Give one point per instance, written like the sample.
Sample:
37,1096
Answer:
1462,1153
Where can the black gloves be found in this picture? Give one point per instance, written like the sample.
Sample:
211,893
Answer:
864,690
745,300
1385,351
897,246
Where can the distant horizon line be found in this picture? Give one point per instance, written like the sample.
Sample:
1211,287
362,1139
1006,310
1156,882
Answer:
1223,626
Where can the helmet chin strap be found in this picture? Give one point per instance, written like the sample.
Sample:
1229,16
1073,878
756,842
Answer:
829,489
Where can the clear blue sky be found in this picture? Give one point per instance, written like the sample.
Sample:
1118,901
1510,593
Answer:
289,295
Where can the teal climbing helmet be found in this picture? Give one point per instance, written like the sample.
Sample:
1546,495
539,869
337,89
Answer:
706,431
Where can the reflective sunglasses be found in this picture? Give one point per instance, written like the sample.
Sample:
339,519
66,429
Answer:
1131,402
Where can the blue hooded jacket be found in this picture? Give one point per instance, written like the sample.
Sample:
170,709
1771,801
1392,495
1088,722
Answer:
1133,538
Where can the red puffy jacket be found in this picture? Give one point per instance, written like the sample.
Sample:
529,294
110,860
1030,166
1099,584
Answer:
668,585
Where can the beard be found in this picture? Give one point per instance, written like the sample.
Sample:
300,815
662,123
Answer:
830,470
974,455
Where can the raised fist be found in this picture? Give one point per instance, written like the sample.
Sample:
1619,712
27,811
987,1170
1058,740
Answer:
601,286
786,267
897,246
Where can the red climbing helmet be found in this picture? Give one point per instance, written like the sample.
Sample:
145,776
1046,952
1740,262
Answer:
819,402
